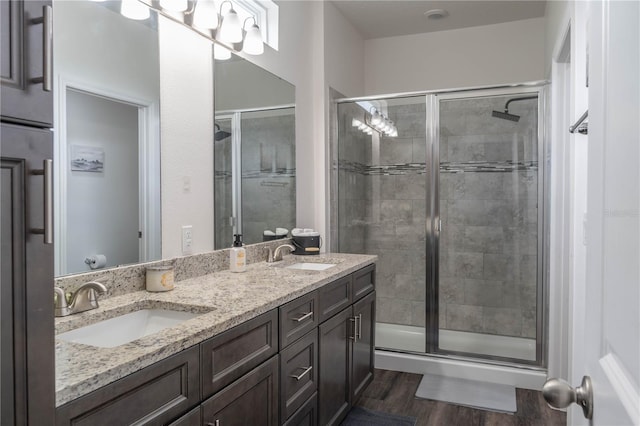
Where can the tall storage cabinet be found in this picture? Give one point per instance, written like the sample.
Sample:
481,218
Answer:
26,270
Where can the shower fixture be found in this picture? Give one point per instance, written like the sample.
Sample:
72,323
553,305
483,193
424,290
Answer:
511,117
220,134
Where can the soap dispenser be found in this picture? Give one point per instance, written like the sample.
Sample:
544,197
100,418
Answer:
238,257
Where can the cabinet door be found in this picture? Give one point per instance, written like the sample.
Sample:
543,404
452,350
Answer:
335,337
363,346
152,396
22,99
250,400
26,280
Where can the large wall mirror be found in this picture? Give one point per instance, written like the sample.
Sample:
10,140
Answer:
107,136
114,196
255,174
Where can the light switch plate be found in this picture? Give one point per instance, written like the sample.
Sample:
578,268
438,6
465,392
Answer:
187,239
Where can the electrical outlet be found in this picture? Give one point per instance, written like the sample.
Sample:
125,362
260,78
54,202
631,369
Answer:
187,239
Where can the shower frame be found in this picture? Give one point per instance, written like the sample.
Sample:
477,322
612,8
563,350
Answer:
432,159
235,117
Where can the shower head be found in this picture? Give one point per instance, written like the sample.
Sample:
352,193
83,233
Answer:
511,117
505,115
220,134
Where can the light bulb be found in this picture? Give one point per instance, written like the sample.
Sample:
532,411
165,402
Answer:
253,44
221,53
174,5
230,28
375,117
205,15
133,9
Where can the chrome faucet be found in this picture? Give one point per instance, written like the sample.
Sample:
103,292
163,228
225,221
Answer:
84,299
275,255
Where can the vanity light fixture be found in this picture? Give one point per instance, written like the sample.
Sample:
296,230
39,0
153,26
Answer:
230,28
135,10
252,44
205,15
225,30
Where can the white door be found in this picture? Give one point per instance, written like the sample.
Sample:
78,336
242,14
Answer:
612,323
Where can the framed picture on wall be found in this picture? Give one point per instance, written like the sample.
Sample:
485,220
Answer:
87,158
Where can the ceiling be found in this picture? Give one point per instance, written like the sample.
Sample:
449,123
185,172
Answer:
376,19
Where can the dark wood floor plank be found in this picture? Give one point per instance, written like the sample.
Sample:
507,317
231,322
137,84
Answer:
394,392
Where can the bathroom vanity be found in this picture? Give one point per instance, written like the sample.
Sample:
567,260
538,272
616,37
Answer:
274,345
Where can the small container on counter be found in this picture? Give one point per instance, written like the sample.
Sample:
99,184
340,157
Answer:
159,278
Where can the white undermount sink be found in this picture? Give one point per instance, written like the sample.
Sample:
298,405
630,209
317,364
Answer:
126,328
311,266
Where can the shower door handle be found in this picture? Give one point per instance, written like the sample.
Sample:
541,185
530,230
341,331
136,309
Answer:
560,394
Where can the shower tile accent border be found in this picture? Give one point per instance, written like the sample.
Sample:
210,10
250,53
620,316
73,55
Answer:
128,279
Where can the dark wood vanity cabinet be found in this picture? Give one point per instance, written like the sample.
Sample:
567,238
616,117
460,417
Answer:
244,377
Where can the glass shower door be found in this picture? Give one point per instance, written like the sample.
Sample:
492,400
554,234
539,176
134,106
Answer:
489,220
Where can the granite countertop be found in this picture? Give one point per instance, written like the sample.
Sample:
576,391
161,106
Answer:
225,299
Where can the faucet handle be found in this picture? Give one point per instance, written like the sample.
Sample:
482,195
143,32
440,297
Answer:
60,305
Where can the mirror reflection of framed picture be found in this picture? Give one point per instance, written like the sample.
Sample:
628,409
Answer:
87,159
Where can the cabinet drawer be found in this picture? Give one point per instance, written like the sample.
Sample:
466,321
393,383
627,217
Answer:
334,297
307,415
250,400
297,318
298,373
364,281
153,395
233,353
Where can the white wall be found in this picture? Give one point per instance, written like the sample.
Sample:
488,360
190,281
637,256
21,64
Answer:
344,53
556,16
187,114
512,52
94,226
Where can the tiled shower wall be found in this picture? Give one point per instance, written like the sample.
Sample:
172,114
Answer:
488,209
382,207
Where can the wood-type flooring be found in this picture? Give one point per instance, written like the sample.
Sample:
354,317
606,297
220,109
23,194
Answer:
394,392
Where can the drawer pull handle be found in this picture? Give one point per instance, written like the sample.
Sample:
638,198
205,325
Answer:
359,335
47,48
354,337
47,173
304,373
303,317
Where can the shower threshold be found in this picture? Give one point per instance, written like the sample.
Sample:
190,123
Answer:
413,339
